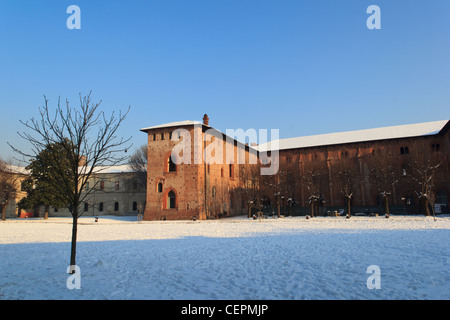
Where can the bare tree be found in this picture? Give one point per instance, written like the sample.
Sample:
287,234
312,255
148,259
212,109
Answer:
138,165
383,174
314,179
280,187
424,166
138,161
250,185
347,177
87,139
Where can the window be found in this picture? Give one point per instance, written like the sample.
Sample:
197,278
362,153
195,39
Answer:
134,206
441,197
231,170
154,137
100,207
404,150
116,206
213,191
344,154
55,209
162,136
435,147
102,185
171,200
86,186
171,166
86,207
117,185
160,187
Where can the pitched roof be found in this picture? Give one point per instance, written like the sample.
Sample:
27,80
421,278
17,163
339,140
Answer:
190,123
174,124
393,132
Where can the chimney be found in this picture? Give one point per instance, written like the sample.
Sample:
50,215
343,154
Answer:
206,120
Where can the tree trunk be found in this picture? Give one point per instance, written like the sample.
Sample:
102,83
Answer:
386,205
424,206
4,206
278,208
74,244
316,206
349,204
46,212
312,209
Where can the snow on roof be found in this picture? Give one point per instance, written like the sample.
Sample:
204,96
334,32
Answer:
190,123
174,124
124,168
393,132
17,169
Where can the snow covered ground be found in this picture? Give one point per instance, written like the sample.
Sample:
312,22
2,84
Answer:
234,258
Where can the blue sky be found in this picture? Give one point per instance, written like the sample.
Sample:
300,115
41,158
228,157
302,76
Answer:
304,67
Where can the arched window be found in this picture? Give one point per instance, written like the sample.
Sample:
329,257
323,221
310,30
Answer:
231,170
116,206
171,166
134,206
160,187
404,150
171,200
100,206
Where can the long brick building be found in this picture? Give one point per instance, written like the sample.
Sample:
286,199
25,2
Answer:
194,188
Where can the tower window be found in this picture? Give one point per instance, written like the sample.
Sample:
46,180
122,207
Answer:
171,166
231,170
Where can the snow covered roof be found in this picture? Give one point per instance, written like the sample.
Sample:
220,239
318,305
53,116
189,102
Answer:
17,169
393,132
174,124
191,123
124,168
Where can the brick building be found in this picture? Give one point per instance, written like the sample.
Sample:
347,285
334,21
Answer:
193,186
404,149
181,190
